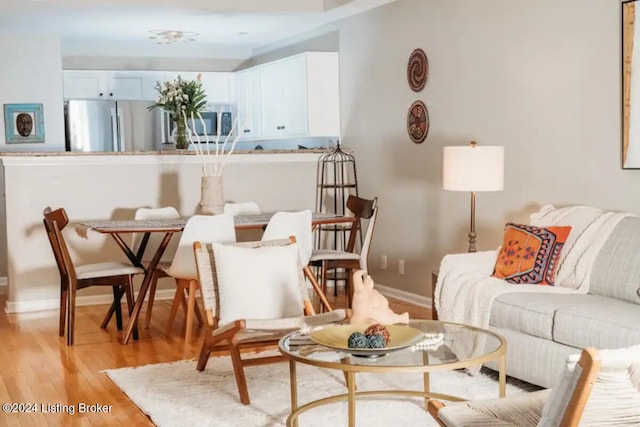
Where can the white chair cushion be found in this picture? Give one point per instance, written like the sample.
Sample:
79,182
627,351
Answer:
323,254
257,283
105,269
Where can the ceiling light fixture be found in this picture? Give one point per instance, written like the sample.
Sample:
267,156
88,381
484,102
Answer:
172,36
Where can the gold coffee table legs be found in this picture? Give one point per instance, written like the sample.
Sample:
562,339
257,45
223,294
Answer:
350,396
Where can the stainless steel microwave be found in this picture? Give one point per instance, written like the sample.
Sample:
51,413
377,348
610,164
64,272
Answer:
222,114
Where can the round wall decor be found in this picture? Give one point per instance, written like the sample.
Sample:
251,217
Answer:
418,122
417,70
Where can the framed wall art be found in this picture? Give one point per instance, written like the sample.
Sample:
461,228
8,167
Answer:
23,123
630,56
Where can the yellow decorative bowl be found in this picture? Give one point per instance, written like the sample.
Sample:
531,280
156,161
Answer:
337,336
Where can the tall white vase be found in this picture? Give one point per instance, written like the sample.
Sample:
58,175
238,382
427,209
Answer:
212,196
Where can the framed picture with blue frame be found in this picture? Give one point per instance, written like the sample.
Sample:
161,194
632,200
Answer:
23,123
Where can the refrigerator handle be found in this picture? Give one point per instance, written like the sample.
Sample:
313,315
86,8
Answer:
114,129
121,146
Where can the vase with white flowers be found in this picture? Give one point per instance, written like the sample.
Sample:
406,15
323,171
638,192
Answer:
186,100
182,99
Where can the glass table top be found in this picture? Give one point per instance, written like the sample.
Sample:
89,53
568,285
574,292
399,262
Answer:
461,345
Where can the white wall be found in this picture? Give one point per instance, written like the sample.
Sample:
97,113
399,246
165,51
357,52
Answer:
113,187
31,72
540,77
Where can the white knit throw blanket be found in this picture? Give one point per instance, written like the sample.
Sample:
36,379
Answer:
465,290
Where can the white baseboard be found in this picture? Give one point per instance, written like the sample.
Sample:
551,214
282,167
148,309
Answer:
54,304
415,299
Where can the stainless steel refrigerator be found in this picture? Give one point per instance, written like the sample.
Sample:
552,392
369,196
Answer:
111,126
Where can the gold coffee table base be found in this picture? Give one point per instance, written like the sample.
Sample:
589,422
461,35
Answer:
292,419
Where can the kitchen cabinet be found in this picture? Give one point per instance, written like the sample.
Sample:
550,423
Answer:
300,96
102,85
247,83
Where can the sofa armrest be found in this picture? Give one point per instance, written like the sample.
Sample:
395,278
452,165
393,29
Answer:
481,263
475,263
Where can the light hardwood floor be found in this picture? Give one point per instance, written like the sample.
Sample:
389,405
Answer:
37,367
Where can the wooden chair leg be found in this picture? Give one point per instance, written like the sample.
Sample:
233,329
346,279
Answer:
117,296
205,352
131,302
323,275
64,295
199,314
71,315
177,299
150,300
191,308
239,371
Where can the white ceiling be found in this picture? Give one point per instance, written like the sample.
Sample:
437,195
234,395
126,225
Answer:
226,28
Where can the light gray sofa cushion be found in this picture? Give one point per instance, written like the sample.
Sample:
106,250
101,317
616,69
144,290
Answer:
528,312
616,269
597,321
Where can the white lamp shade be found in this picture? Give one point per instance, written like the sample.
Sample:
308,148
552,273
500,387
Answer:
473,168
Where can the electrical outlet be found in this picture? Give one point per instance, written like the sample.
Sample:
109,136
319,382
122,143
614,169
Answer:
383,262
401,267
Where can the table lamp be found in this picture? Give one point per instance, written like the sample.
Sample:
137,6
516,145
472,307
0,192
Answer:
473,168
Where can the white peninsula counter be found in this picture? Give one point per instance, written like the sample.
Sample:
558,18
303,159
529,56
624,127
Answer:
113,186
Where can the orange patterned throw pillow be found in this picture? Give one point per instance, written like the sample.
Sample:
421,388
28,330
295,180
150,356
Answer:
529,254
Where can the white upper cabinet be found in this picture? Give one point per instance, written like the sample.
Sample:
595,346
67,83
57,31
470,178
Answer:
140,85
219,87
247,83
300,96
102,85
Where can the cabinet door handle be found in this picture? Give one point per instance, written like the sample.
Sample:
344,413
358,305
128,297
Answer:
247,130
111,94
100,94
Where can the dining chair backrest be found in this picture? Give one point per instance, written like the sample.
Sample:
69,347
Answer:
298,224
242,208
598,387
208,277
56,221
154,240
202,228
361,209
368,237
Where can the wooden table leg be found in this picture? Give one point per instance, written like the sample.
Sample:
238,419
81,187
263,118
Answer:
137,308
425,379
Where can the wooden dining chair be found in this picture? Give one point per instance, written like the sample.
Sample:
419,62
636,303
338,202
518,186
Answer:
118,275
204,228
298,224
349,259
253,293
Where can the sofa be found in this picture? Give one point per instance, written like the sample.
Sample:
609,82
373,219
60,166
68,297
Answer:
543,328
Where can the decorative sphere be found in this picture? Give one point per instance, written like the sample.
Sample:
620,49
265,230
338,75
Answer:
375,341
357,340
378,329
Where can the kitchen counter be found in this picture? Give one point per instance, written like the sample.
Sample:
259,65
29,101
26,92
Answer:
153,153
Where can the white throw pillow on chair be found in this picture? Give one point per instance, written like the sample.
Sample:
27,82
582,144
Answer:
257,283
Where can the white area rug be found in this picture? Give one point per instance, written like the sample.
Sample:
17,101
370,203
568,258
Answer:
176,394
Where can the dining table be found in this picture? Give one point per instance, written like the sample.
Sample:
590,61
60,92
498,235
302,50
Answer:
118,229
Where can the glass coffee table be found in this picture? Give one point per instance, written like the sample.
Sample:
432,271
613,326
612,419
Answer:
462,346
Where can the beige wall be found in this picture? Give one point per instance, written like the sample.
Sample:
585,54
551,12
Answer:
540,77
31,73
113,187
